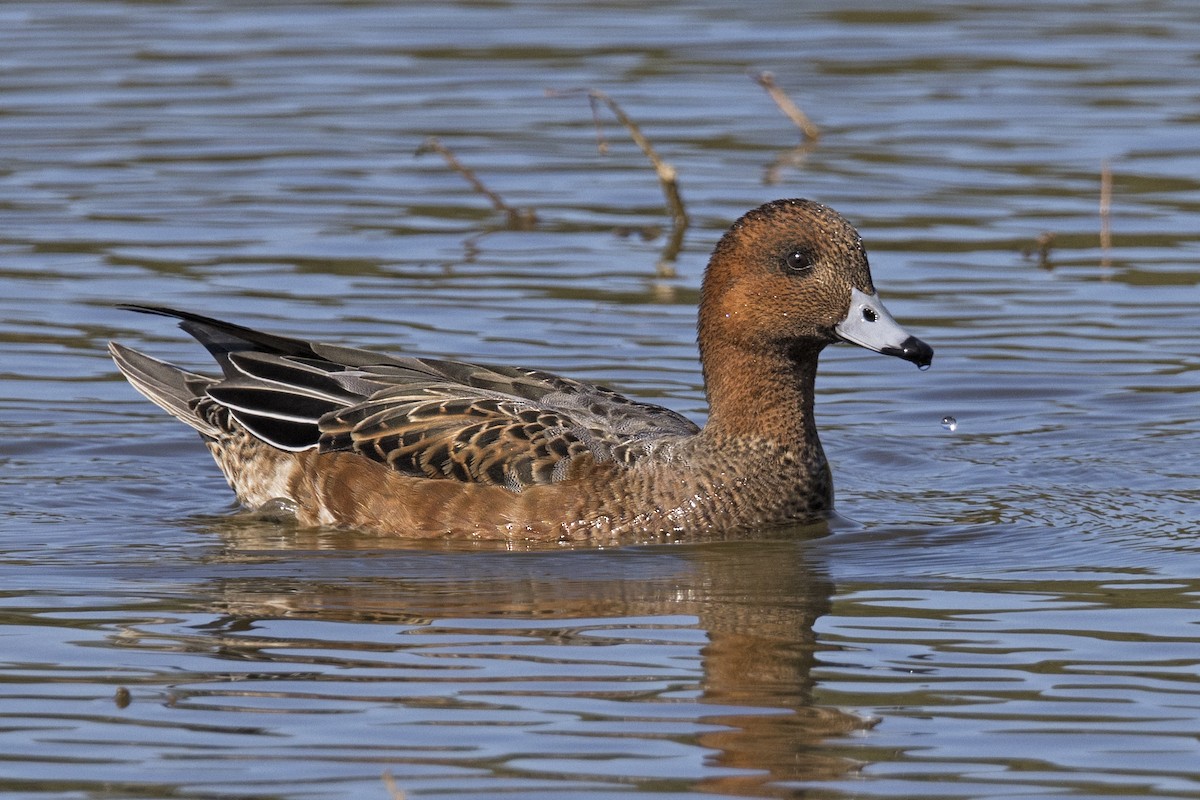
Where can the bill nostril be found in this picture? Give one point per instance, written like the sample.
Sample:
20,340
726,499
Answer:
869,314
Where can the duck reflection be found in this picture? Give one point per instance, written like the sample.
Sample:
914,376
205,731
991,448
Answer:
756,603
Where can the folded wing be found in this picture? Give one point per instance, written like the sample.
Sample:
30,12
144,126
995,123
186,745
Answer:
428,418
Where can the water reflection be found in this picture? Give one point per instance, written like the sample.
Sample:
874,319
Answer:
560,625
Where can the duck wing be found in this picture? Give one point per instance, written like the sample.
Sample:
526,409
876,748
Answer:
423,417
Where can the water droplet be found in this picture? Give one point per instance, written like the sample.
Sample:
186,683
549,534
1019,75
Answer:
950,423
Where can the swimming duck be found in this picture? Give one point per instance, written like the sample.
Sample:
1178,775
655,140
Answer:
423,447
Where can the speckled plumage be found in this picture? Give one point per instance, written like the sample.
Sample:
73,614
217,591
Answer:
424,447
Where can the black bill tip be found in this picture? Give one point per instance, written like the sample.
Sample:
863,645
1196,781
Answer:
912,349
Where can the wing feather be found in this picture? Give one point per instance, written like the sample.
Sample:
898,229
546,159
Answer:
428,418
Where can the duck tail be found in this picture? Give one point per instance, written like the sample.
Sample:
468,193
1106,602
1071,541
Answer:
172,389
222,338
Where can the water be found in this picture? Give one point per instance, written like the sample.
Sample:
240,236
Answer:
1005,609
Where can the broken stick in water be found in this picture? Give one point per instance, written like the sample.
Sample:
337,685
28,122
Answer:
810,133
788,107
667,177
1105,212
393,788
520,219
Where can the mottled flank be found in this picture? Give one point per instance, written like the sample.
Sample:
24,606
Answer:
424,447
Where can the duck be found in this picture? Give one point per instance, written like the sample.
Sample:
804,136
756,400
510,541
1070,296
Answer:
402,445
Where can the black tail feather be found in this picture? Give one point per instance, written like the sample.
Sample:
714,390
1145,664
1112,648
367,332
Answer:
222,338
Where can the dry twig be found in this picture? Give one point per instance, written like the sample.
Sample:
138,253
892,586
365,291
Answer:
1105,211
810,133
520,219
667,176
792,111
393,789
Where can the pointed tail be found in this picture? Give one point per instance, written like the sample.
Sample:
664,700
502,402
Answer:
172,389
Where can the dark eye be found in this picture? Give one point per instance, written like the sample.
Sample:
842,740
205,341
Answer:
797,261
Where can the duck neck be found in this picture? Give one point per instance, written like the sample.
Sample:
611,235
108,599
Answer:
763,395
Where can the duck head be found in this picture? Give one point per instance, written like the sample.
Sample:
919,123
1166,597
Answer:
792,275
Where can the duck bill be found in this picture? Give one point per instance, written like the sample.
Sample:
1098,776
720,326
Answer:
868,324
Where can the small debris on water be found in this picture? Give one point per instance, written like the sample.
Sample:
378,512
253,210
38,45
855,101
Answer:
950,424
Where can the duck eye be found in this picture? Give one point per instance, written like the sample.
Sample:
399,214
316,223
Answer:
797,261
